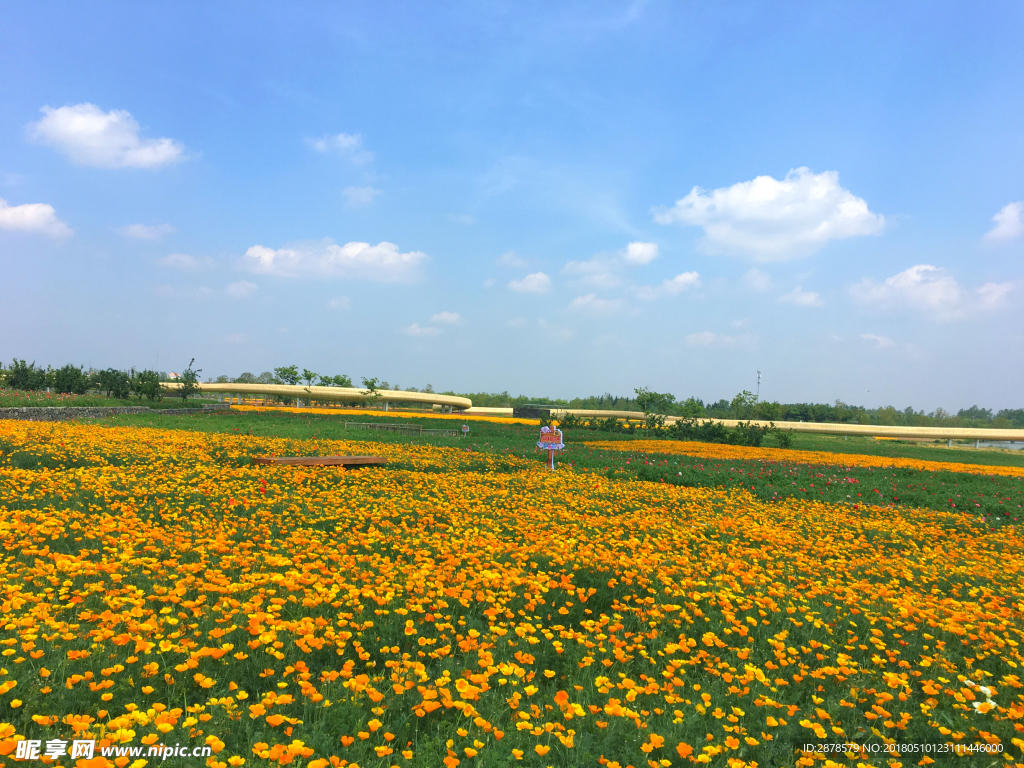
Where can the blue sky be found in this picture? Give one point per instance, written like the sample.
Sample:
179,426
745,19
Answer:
558,199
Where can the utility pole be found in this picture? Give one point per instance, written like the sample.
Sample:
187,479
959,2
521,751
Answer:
759,385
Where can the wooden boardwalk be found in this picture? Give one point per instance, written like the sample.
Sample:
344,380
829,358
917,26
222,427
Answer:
317,461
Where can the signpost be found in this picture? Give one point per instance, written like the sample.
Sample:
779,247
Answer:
465,430
550,441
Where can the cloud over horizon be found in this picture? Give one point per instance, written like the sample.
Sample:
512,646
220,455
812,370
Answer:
932,291
382,263
1009,223
774,220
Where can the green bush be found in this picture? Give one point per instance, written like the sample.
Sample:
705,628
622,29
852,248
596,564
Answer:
27,377
70,380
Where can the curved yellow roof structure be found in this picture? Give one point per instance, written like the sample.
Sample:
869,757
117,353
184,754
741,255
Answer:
332,394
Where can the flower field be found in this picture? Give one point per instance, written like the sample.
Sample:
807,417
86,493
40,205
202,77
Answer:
468,608
719,451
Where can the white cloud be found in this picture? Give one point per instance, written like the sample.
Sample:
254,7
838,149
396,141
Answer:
641,253
186,262
416,330
326,259
1009,223
593,305
464,219
348,145
930,290
339,303
596,272
516,322
32,217
447,318
359,195
144,232
489,282
883,342
802,298
236,338
511,259
538,282
90,136
709,339
671,287
241,289
555,332
756,280
773,220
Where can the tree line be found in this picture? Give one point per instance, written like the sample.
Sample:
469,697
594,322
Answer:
112,382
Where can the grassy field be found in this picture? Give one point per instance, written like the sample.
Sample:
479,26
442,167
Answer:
464,606
16,398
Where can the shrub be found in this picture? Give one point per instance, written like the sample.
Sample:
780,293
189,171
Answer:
70,380
27,377
114,383
146,384
189,381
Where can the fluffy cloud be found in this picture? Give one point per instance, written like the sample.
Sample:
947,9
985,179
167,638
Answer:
606,270
1009,223
355,196
641,253
538,282
931,290
447,318
416,330
241,289
596,272
32,217
671,287
186,262
90,136
326,259
595,306
511,259
802,298
883,342
144,232
348,145
773,220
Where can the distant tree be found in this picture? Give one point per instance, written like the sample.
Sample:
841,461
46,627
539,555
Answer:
70,380
222,379
743,404
288,374
653,402
246,378
429,389
309,376
114,383
341,380
769,411
974,412
887,416
28,377
265,378
691,408
189,381
372,389
145,384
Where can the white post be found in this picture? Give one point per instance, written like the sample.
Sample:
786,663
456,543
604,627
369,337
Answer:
949,443
385,405
977,444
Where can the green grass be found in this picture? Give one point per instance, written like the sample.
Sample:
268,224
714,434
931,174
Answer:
14,398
